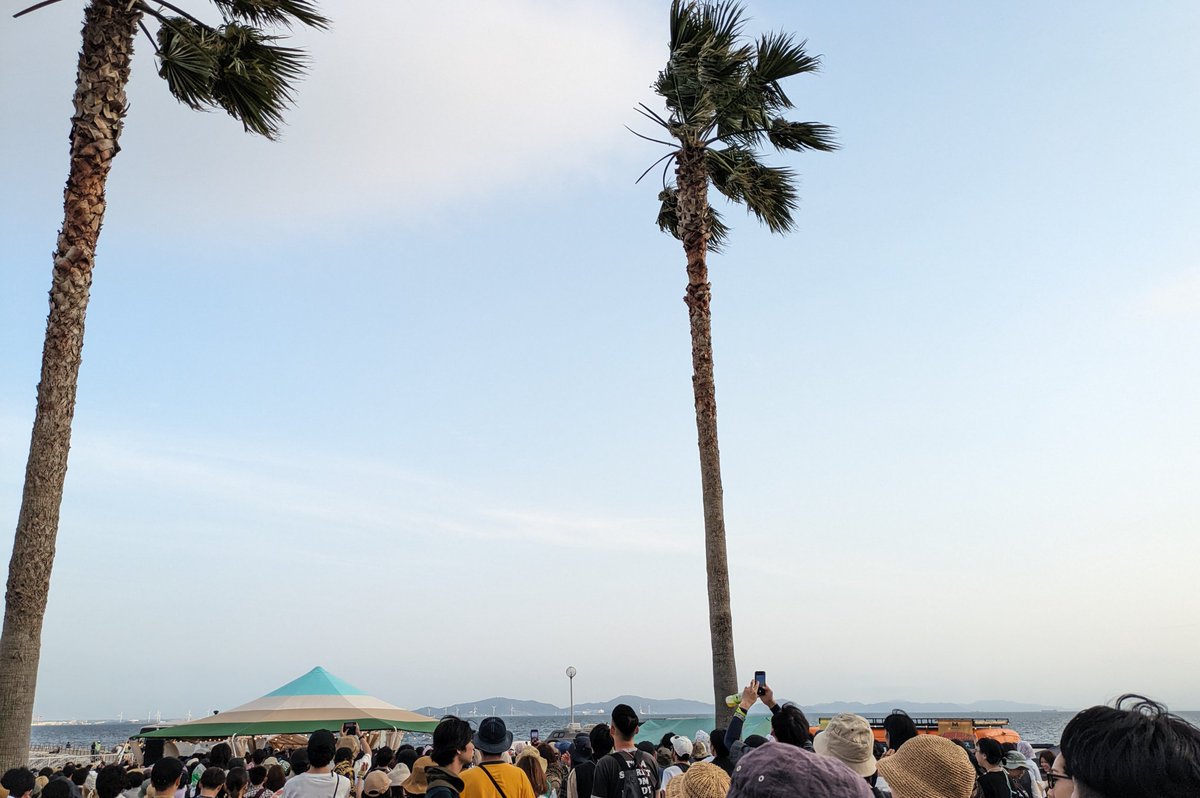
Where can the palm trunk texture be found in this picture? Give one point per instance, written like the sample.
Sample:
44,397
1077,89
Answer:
108,30
691,176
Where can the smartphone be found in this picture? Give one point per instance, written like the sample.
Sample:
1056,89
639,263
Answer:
533,736
761,678
350,729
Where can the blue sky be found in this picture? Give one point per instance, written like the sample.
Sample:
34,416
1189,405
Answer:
407,394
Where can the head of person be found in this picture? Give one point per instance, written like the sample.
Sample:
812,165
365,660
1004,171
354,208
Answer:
988,752
258,774
407,756
110,781
601,739
1045,759
275,778
80,775
19,782
1015,763
849,739
624,724
417,783
299,760
533,768
258,757
343,754
377,785
220,755
777,769
899,729
134,779
756,740
928,766
212,780
717,738
699,750
236,781
789,725
681,748
493,738
57,788
1134,749
165,775
385,757
580,750
321,748
1059,783
452,741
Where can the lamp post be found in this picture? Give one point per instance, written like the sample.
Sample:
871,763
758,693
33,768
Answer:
571,679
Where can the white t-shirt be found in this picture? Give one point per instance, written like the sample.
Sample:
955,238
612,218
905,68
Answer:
669,774
317,785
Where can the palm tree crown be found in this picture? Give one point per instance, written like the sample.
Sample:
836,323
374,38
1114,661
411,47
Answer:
723,96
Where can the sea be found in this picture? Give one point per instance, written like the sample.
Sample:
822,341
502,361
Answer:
1036,727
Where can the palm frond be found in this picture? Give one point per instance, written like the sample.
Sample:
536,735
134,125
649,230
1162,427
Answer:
797,136
768,192
187,61
722,21
273,12
668,219
779,55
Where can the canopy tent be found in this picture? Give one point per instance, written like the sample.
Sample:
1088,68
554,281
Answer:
317,700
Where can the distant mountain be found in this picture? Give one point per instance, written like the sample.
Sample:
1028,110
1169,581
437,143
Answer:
509,707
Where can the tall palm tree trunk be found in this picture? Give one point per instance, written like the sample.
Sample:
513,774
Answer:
691,177
108,30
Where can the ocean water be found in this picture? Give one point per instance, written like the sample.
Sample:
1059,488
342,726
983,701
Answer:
1036,727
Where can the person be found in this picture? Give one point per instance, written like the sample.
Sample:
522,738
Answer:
236,782
212,781
1059,783
18,782
625,761
720,752
494,777
377,785
1033,769
531,766
343,765
165,776
994,782
928,766
779,769
898,728
1017,768
788,722
583,767
849,739
555,770
416,783
319,781
453,750
57,788
274,781
702,780
680,749
1133,751
1045,759
133,783
258,776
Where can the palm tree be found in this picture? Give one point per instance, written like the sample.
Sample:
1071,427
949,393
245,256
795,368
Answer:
723,102
234,66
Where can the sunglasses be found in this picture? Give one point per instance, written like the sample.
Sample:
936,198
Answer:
1054,778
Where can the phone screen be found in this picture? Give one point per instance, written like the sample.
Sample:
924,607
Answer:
761,678
533,735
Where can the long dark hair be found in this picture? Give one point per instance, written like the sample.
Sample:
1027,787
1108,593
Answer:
533,770
899,728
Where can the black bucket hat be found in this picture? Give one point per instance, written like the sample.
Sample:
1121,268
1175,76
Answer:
493,736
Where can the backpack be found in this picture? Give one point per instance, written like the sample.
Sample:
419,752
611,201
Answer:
635,776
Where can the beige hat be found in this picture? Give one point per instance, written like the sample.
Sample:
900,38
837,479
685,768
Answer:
701,780
529,752
699,750
849,738
416,783
928,766
377,783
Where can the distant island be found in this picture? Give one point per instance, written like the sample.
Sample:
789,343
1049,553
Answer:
513,707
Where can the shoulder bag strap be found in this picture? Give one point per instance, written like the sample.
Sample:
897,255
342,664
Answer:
493,780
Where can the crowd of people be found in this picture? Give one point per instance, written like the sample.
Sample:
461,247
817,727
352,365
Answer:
1135,749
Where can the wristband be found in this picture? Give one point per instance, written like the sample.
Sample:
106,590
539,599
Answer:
739,712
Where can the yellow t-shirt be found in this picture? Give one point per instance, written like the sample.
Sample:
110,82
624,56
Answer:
511,779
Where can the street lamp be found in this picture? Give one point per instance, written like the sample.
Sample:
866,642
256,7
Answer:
571,676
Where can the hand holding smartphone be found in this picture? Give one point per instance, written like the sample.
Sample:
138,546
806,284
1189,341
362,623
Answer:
761,678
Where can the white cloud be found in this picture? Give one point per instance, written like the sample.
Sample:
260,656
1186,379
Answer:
408,107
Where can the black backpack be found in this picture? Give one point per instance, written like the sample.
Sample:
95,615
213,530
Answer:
635,776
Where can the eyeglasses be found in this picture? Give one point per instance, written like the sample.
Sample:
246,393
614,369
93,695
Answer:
1052,778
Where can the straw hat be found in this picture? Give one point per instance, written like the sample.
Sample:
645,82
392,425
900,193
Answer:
416,783
928,766
701,780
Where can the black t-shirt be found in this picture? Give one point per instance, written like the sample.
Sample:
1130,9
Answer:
994,784
607,781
